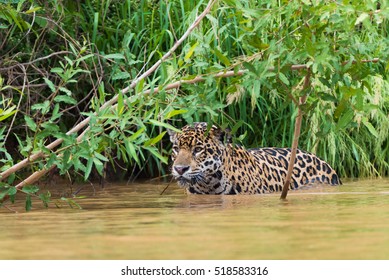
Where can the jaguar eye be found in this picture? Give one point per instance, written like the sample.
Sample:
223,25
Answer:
197,150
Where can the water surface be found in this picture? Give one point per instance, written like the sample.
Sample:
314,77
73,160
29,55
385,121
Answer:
136,222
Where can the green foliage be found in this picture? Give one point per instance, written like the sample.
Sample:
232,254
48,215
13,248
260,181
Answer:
62,60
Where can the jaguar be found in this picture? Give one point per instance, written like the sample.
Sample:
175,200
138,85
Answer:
205,161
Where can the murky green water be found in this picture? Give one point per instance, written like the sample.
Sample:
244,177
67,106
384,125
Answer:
136,222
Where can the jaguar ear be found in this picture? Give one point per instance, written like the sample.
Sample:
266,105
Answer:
223,136
172,135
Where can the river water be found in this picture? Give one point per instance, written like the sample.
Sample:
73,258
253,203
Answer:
137,222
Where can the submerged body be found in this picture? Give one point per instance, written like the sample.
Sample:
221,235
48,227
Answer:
204,164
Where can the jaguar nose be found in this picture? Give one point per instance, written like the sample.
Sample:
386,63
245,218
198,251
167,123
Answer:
181,169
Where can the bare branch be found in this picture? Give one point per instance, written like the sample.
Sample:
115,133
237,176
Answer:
34,61
296,136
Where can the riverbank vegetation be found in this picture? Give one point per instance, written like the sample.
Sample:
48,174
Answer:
62,61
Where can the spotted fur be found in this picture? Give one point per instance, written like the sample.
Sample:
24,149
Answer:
204,164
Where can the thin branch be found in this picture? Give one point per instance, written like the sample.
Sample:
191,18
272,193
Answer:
232,73
296,136
374,60
34,177
35,60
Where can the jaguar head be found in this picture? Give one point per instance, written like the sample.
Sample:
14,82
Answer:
197,154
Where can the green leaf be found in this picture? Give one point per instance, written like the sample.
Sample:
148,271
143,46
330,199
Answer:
3,193
71,202
250,67
355,152
70,62
65,99
30,189
45,198
370,127
222,57
33,10
100,156
347,93
136,134
7,113
78,60
99,165
165,125
120,107
52,160
56,70
345,119
155,152
88,169
140,85
359,101
28,203
361,18
50,84
44,107
30,123
283,78
55,114
327,97
236,127
12,190
191,51
114,56
72,48
65,162
242,136
65,90
154,140
173,113
121,76
131,151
